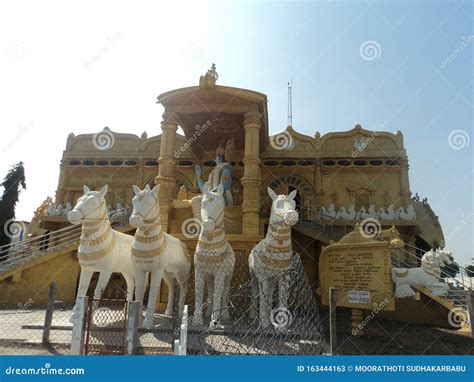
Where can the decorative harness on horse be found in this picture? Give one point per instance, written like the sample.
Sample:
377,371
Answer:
146,254
283,233
204,256
93,228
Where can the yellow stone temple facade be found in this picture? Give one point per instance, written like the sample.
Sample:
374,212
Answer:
337,171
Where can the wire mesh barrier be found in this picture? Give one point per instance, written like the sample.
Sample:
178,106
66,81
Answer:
291,328
106,326
29,329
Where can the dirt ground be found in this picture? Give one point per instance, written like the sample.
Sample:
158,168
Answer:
384,337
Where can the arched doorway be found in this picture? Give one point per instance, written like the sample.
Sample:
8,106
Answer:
284,185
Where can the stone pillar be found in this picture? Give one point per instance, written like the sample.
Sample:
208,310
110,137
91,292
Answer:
252,179
166,161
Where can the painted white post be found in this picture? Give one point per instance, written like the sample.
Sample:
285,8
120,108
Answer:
185,313
132,327
177,349
78,326
183,338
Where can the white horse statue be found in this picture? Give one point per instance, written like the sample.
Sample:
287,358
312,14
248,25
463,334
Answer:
389,215
329,213
214,258
408,215
271,257
349,214
426,276
101,248
156,252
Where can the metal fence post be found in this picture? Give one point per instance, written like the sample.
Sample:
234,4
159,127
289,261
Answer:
470,310
48,317
77,340
133,322
332,321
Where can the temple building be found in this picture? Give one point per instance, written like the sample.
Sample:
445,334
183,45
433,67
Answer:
341,178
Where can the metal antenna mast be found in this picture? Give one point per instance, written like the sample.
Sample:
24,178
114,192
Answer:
290,104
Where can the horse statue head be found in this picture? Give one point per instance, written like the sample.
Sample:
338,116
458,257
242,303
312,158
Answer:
283,208
212,208
433,260
90,206
444,257
146,208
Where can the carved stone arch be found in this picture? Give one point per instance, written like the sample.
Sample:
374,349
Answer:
286,183
180,180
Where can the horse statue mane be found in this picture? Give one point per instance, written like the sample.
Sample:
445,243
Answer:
428,275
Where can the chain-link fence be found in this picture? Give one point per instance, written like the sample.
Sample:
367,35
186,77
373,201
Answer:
28,328
106,326
417,326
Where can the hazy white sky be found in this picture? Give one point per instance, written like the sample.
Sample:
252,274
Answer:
77,67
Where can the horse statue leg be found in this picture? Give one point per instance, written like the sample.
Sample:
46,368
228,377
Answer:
156,277
130,280
140,288
254,292
183,289
225,298
84,281
199,281
265,288
169,280
217,299
104,278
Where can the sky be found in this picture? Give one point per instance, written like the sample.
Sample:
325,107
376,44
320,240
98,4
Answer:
78,67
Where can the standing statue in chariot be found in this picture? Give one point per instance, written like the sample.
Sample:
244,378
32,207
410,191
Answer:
221,174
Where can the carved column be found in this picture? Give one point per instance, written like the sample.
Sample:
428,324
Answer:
166,161
252,179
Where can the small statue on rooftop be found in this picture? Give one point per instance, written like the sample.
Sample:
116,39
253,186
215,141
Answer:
209,79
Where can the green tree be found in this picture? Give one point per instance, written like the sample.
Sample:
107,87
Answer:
12,184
